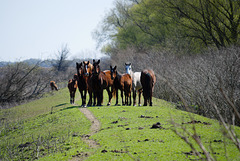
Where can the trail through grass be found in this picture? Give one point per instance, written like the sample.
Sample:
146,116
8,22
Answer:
52,129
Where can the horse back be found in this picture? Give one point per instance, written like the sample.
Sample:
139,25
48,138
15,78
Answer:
126,81
108,77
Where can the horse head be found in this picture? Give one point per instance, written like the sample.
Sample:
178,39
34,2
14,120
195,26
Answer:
113,72
96,67
128,68
87,68
79,69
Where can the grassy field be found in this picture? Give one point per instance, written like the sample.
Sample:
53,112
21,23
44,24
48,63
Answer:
52,129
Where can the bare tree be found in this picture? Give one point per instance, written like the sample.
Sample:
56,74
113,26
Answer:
61,63
20,82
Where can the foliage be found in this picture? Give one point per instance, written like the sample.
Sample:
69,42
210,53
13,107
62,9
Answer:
184,25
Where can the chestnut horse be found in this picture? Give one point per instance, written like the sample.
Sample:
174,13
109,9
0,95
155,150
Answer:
72,87
53,85
122,82
110,85
99,83
84,72
136,83
148,80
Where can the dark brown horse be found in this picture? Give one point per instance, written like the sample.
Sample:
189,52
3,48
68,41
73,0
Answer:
99,83
122,82
84,73
148,80
53,85
72,87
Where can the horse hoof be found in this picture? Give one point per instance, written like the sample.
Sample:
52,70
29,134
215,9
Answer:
139,105
109,104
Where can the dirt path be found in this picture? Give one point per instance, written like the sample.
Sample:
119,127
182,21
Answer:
95,127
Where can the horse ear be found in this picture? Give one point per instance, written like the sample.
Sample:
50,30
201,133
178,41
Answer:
88,62
110,67
93,60
115,68
98,61
76,64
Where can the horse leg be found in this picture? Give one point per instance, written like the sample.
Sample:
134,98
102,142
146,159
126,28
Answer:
134,97
109,96
90,98
73,97
139,96
130,100
81,92
70,97
145,99
122,98
126,98
150,99
84,98
116,97
94,98
99,98
101,94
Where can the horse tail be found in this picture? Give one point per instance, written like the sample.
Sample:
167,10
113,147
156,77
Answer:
148,85
114,92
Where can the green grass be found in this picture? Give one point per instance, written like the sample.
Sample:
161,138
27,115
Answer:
50,129
132,137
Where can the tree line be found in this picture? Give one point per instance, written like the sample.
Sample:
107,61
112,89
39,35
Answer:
183,25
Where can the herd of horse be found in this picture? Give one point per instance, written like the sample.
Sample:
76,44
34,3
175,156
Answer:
92,80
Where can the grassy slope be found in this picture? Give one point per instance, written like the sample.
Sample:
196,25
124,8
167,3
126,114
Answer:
56,136
31,131
132,137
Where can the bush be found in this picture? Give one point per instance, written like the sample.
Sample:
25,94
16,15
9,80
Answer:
21,82
193,80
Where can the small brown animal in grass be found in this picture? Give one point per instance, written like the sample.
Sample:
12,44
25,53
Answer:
53,86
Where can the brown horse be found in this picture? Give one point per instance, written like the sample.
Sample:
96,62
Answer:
72,87
53,85
84,73
99,83
110,85
122,82
148,80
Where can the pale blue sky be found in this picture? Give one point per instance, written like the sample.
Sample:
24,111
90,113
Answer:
39,28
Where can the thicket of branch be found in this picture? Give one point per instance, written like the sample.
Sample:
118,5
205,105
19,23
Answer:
214,74
207,84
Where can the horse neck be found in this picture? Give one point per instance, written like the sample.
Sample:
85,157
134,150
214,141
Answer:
131,73
118,75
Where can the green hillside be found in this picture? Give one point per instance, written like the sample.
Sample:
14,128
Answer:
52,129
